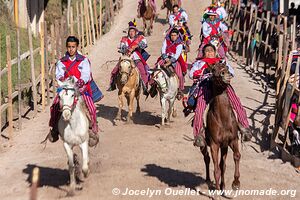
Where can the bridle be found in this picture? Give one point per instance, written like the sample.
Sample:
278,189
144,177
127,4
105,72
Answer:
67,107
123,72
164,85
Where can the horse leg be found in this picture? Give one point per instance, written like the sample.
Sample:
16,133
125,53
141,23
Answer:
215,154
138,108
70,155
236,156
224,151
145,25
121,103
130,101
85,158
206,157
163,110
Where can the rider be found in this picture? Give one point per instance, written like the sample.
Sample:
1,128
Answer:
76,65
218,7
197,73
213,27
172,52
165,3
152,3
133,45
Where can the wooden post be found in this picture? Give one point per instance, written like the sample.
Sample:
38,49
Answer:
293,32
42,52
0,89
53,42
111,9
100,19
82,29
19,67
46,63
78,25
71,21
34,183
96,18
92,21
87,27
9,85
34,91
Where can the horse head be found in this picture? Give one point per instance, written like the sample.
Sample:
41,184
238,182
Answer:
160,77
220,74
68,97
126,64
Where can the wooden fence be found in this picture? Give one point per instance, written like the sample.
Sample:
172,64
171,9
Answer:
265,43
89,19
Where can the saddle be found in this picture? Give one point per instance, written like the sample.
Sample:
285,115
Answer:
168,69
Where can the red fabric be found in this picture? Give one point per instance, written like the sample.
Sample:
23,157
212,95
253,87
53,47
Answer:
177,17
208,61
171,48
74,71
133,45
214,31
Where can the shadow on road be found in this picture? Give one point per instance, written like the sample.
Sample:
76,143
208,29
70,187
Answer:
173,177
52,177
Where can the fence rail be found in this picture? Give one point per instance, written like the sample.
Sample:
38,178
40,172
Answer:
91,20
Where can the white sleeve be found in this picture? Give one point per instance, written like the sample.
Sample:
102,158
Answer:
85,69
164,47
223,27
206,29
196,66
60,70
171,20
230,69
185,16
224,13
178,51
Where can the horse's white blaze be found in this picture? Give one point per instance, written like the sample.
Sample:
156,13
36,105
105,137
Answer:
168,89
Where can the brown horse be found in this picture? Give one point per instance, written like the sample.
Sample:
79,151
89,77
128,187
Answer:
221,129
169,5
146,12
128,83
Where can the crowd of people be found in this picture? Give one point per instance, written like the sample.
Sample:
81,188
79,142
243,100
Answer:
213,48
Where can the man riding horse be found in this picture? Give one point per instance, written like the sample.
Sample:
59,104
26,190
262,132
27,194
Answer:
133,45
171,52
152,3
199,74
218,7
78,66
212,30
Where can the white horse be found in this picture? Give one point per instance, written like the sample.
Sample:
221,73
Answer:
168,89
73,127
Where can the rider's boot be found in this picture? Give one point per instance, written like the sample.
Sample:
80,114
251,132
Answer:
199,141
53,135
245,132
93,136
112,85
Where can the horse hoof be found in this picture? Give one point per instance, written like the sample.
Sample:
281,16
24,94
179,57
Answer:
174,114
129,121
79,187
236,185
71,193
86,173
118,118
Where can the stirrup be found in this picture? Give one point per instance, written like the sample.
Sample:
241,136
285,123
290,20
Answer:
199,141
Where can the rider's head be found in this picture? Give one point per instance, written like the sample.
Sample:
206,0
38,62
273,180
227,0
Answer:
175,9
132,32
209,51
174,34
72,43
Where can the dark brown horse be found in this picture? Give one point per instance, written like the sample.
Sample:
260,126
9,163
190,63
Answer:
169,5
222,128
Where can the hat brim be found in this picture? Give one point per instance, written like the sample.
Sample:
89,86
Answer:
133,27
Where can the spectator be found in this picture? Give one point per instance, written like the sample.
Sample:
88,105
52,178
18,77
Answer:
292,10
275,7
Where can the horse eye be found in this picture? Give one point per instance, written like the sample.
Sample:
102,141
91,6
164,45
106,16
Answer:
222,73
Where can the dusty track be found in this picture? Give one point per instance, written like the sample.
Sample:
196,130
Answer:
141,156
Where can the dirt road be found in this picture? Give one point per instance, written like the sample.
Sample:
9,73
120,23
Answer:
141,156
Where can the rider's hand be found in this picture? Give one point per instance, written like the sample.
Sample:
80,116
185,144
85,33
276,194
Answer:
80,83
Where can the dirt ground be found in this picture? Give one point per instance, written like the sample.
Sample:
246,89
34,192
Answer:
141,156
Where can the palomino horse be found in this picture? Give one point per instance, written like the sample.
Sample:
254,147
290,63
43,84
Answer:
73,127
128,83
222,128
168,88
147,14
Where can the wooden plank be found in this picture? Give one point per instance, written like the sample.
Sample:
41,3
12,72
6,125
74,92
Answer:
72,21
96,18
92,21
0,87
78,25
19,77
47,63
100,18
82,29
42,37
87,25
34,91
9,85
53,53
